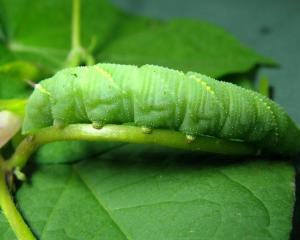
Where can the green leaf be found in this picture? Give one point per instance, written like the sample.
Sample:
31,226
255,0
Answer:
34,46
14,74
71,151
13,87
21,70
16,106
5,230
141,192
44,36
5,55
185,45
127,25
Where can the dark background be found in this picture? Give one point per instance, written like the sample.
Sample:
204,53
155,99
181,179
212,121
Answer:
271,27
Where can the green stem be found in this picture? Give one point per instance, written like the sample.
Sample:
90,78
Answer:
128,134
78,55
76,52
11,213
76,24
264,86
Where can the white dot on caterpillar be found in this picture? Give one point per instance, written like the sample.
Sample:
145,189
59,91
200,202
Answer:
146,130
190,138
97,125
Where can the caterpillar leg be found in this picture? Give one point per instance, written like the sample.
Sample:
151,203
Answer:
97,124
58,123
190,138
146,130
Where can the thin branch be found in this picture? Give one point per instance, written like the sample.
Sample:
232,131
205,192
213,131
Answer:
76,24
78,54
264,86
11,213
128,134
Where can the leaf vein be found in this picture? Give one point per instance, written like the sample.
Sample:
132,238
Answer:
105,208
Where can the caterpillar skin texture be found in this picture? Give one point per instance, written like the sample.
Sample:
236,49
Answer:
156,97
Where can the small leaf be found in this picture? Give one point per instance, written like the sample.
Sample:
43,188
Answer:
10,124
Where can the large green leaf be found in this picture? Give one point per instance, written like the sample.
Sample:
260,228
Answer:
4,54
71,151
137,192
5,230
44,38
185,45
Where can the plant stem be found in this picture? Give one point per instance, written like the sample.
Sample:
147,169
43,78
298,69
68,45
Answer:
78,55
11,213
76,24
264,86
128,134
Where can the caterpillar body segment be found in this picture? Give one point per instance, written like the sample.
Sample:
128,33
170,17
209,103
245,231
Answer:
155,97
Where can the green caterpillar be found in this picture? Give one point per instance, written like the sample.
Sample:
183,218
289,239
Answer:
156,97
